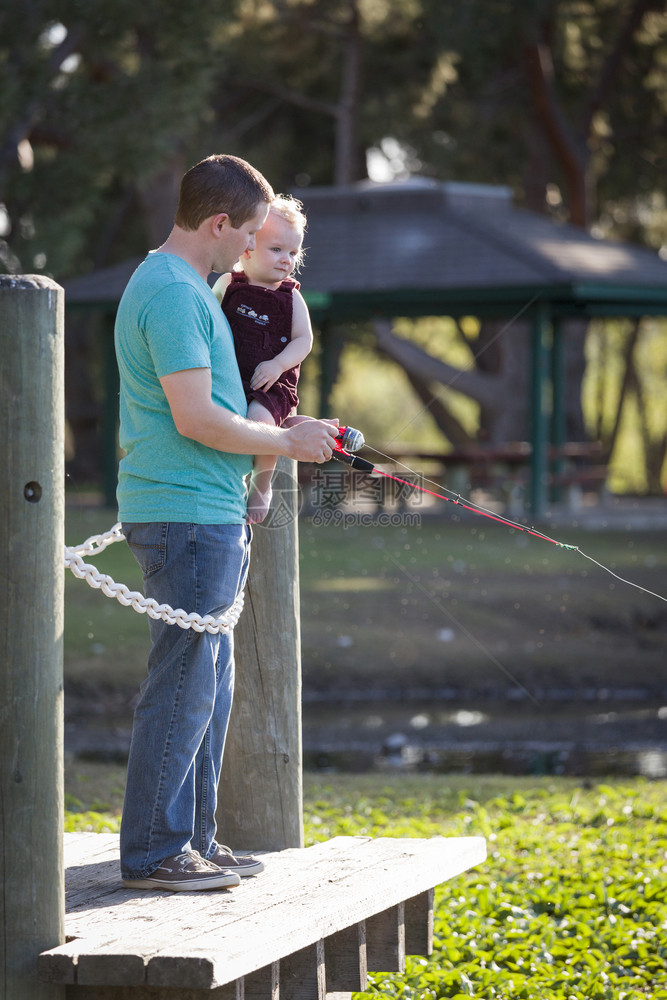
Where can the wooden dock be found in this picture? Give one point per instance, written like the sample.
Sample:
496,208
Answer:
309,926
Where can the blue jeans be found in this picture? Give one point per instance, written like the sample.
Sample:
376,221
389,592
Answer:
181,719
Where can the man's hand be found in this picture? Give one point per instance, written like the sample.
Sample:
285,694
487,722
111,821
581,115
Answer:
312,440
265,374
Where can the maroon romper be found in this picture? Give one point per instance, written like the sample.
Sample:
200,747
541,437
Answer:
261,322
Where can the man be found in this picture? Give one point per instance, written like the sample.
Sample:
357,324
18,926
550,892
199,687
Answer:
181,493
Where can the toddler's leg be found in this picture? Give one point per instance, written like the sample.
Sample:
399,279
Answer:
259,494
295,418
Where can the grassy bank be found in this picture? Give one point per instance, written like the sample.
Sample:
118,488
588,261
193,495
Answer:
570,905
462,603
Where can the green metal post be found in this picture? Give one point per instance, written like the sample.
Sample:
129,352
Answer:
326,382
539,408
559,415
331,348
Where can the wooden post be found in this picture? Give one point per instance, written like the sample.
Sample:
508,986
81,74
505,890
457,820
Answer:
260,795
32,905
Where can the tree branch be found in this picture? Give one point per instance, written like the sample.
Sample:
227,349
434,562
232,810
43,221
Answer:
27,116
480,387
616,58
452,428
570,153
298,99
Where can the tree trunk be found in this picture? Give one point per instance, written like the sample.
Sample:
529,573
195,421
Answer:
569,150
83,407
500,384
159,198
574,333
345,169
507,417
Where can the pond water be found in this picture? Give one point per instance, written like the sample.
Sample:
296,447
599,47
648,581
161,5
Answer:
596,740
606,736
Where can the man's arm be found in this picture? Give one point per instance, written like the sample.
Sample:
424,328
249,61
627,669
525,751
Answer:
196,416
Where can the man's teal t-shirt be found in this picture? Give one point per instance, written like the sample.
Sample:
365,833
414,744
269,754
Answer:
169,320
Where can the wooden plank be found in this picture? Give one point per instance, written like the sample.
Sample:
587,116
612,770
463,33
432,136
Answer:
374,876
302,975
419,924
345,960
95,899
385,940
303,895
176,907
232,991
110,968
170,971
263,984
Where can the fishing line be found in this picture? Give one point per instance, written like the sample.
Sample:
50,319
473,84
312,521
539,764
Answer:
460,501
621,578
473,639
350,440
353,440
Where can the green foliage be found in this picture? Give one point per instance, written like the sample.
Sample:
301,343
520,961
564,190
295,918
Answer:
571,902
97,96
607,81
89,821
637,462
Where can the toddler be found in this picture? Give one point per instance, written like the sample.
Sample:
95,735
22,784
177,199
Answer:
271,329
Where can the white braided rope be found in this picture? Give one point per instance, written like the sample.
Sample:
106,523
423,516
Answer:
132,598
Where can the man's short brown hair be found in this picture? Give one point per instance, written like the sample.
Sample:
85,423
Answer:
221,183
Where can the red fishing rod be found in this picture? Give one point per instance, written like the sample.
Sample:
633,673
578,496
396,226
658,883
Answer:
351,440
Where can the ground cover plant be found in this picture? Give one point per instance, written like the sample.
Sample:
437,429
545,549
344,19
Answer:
571,903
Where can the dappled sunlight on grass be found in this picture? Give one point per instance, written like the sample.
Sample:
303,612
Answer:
352,584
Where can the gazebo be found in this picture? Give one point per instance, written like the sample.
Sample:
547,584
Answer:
424,247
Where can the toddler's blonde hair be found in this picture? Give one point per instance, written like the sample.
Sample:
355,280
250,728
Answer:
291,209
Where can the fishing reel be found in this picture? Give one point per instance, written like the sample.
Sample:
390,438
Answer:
349,439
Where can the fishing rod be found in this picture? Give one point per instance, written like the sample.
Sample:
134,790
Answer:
350,440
